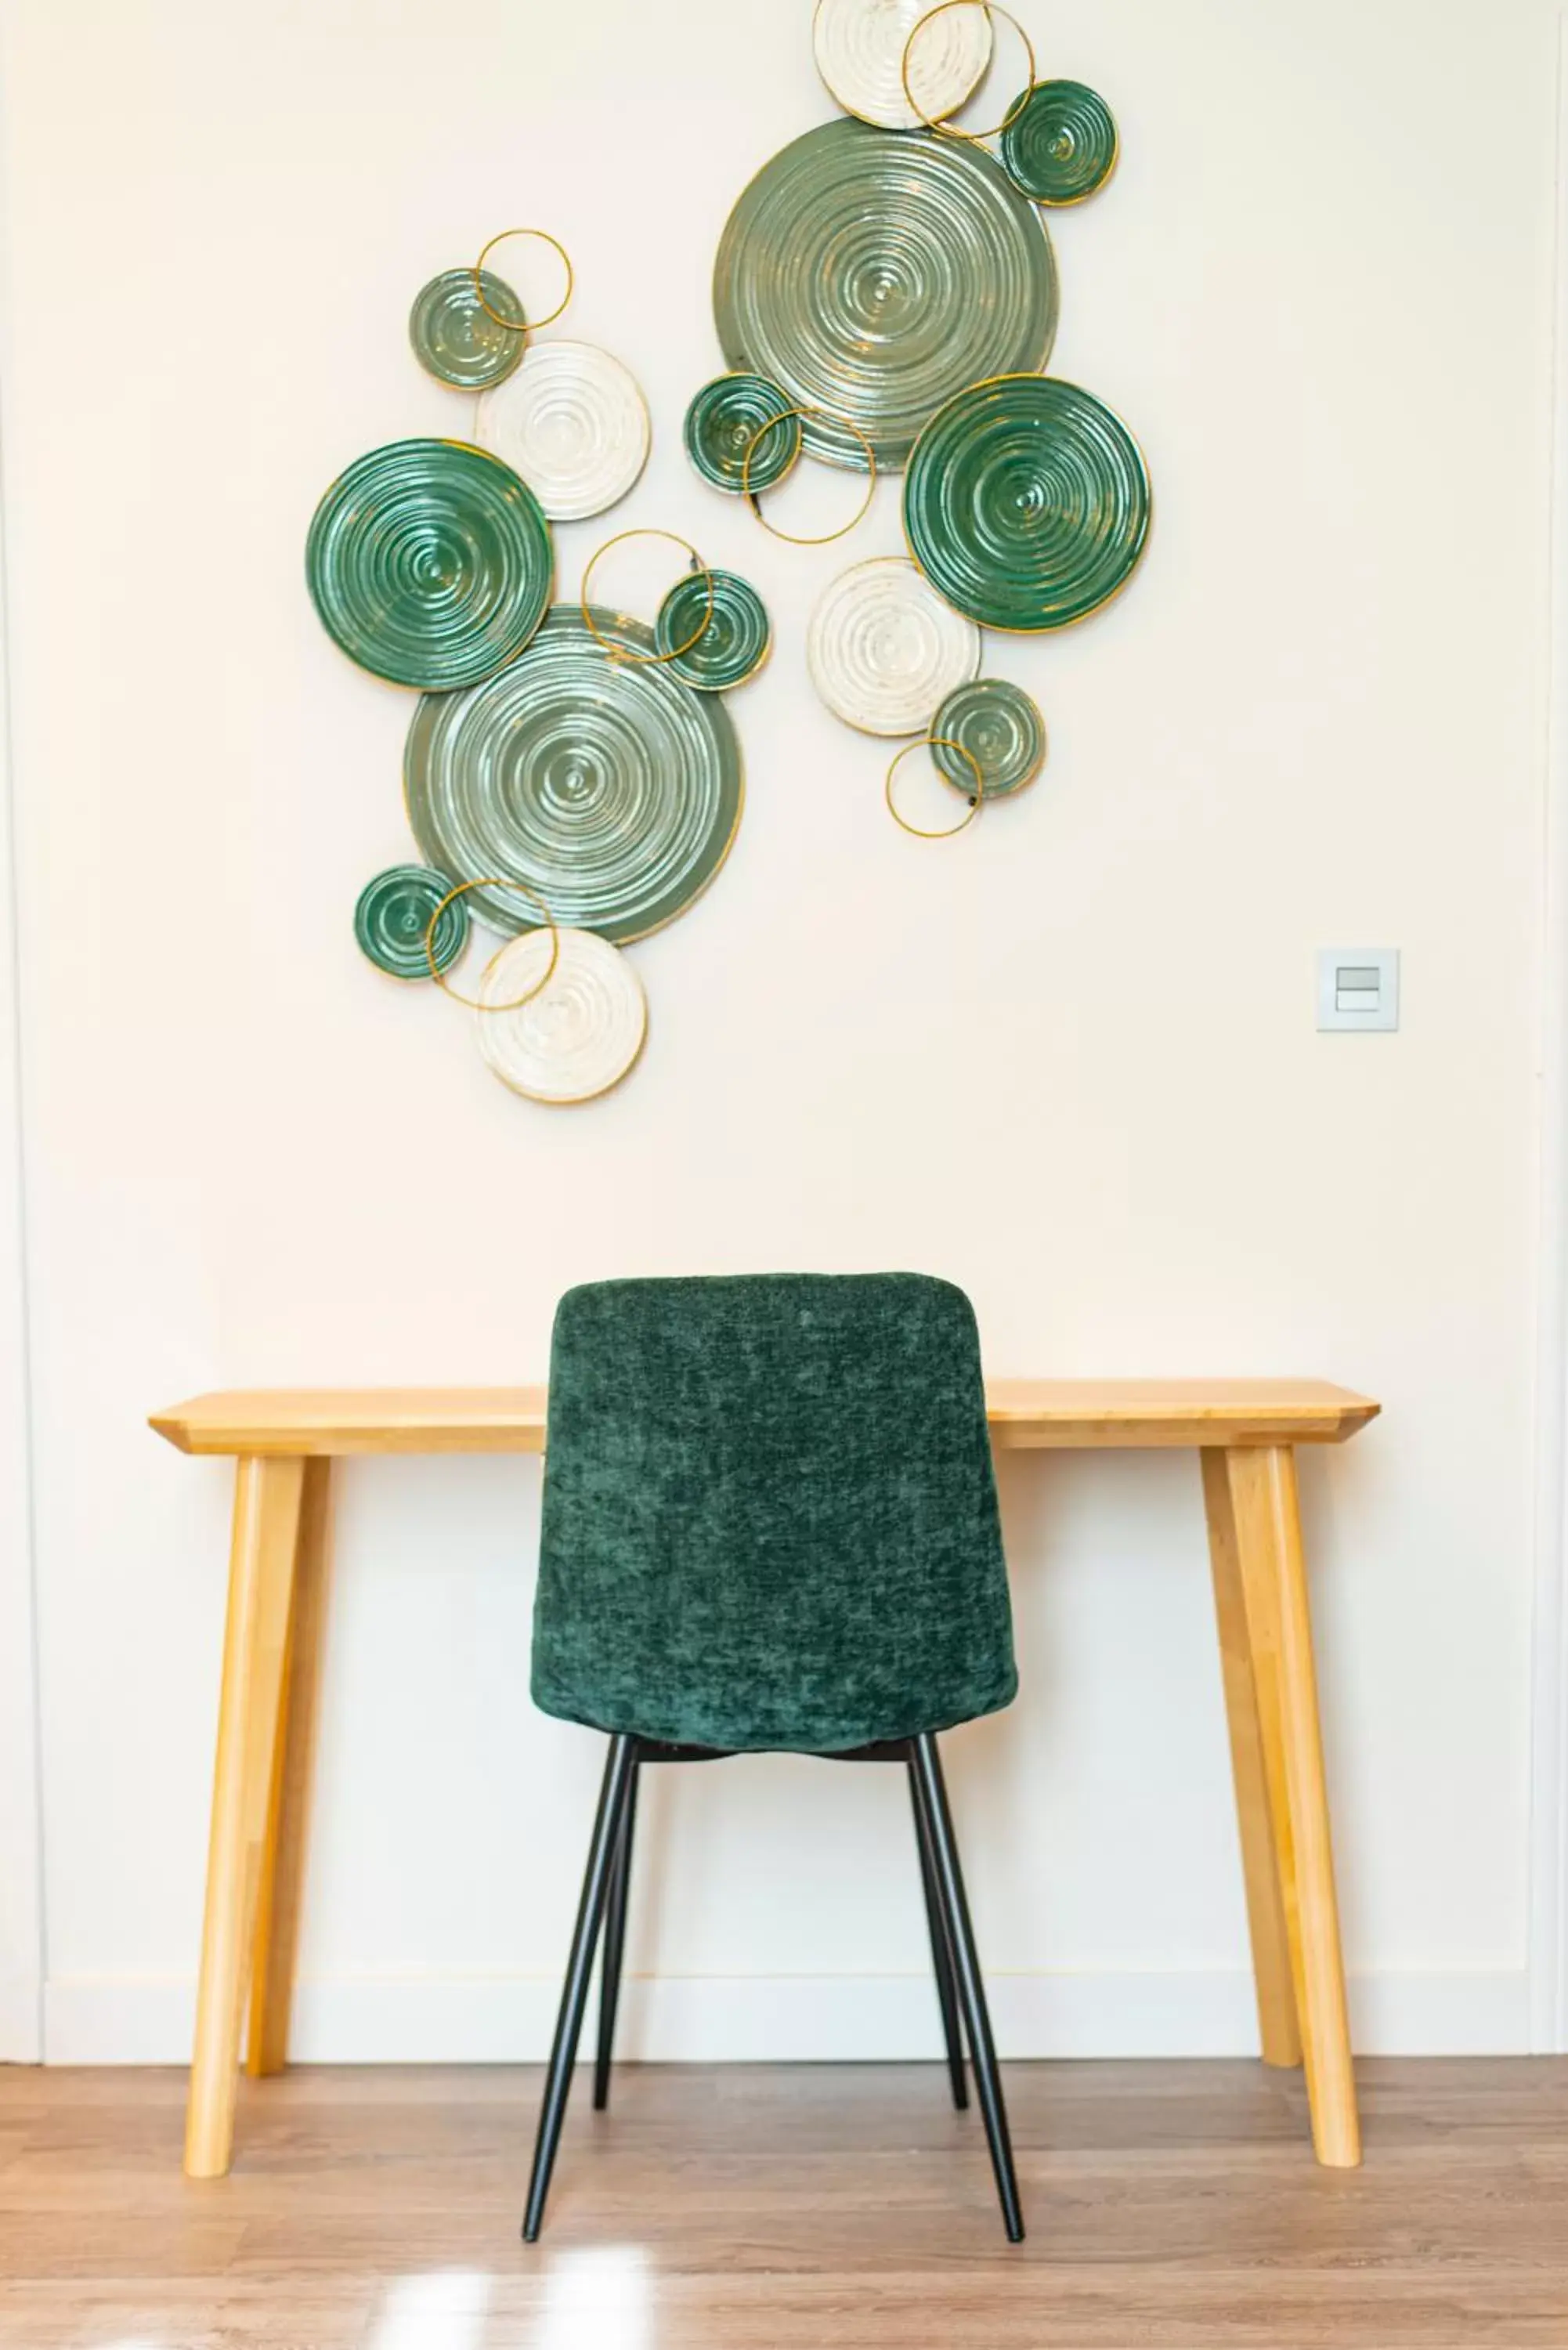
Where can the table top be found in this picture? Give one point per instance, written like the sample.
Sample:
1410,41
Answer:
1066,1415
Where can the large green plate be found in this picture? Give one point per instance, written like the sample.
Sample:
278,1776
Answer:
608,787
430,563
1027,503
875,273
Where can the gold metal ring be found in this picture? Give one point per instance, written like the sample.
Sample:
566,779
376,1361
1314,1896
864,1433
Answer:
492,881
943,742
822,538
697,565
940,122
525,326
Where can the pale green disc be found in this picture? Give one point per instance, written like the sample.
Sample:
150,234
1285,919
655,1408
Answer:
873,274
609,788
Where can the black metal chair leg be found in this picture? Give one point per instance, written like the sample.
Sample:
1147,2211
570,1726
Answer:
971,1990
574,1998
941,1951
615,1942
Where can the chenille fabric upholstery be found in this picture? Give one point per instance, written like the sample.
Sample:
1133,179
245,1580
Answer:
770,1517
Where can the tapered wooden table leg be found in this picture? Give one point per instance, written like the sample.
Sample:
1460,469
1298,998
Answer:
282,1885
1262,1483
261,1575
1277,2021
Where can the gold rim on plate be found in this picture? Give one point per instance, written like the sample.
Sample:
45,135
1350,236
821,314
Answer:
518,889
527,326
941,124
697,567
819,538
928,743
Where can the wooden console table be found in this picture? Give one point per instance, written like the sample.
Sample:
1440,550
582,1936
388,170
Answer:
282,1441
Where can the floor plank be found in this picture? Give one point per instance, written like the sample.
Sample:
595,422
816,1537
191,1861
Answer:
1171,2206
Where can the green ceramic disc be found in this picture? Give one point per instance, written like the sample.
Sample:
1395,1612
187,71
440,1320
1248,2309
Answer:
1000,726
1027,503
1061,145
726,418
430,563
607,786
734,631
454,335
392,919
873,274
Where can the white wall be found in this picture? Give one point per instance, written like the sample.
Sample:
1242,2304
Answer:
21,1907
1068,1060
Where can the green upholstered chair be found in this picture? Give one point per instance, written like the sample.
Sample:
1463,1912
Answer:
770,1523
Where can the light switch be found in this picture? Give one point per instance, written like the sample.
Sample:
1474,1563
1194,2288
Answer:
1358,987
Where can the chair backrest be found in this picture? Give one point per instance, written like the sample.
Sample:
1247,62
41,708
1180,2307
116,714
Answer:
770,1515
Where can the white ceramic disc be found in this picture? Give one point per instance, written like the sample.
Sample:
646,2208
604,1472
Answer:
859,46
573,422
883,650
579,1034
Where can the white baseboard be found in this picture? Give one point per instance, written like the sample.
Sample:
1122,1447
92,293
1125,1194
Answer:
19,2019
454,2018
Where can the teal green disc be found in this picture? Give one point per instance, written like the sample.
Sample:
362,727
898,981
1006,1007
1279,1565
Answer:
454,335
725,642
430,563
609,788
872,273
1000,726
1027,503
1061,145
731,415
392,920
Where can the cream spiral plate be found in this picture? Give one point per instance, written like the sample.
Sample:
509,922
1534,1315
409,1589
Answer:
859,46
573,422
883,650
580,1034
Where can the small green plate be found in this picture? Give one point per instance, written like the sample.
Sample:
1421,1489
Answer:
727,418
1000,726
392,919
454,337
608,787
872,273
1027,503
734,633
1061,145
430,563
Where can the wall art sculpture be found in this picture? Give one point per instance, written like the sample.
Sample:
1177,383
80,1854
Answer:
886,290
885,298
571,777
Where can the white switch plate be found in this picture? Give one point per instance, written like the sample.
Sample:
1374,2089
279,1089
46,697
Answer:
1358,987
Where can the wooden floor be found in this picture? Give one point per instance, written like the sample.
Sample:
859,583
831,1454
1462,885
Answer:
1171,2207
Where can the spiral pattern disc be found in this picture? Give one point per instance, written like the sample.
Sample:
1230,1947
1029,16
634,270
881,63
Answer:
859,48
430,563
579,1034
573,422
873,274
1027,503
883,651
392,919
454,335
726,418
1000,726
735,632
1061,145
608,787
